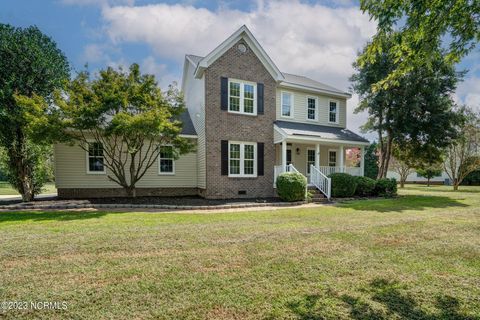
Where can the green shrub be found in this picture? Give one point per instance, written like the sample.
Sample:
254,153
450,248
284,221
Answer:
386,187
291,186
343,185
365,186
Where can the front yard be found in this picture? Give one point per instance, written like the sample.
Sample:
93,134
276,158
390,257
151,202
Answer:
6,189
415,257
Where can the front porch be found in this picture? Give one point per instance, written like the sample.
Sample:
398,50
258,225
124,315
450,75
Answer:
327,158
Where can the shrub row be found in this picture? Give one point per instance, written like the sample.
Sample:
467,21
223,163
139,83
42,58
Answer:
345,185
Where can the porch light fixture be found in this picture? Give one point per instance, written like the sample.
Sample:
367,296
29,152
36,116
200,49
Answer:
298,151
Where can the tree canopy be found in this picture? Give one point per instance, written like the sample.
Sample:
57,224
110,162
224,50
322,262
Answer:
30,65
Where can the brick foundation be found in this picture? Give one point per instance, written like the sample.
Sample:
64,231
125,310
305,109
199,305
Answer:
82,193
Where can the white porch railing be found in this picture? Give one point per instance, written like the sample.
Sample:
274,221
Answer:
321,181
354,171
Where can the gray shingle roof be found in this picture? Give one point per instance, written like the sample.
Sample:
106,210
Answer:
188,127
315,130
291,78
307,82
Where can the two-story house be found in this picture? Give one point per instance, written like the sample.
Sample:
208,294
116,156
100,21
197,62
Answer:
250,122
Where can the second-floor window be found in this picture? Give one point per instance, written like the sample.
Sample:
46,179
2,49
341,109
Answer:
333,112
287,104
242,97
311,108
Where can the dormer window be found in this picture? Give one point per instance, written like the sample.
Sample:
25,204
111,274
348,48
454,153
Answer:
333,112
242,97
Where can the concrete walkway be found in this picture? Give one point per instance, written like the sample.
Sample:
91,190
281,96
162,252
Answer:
19,197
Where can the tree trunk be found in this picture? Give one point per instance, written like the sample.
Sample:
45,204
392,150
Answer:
455,186
131,191
402,183
428,182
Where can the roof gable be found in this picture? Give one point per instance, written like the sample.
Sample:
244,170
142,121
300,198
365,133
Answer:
241,34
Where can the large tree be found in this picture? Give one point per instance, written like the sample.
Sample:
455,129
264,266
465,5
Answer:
463,155
121,118
416,112
422,24
30,65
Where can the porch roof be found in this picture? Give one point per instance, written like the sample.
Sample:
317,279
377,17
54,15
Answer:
305,130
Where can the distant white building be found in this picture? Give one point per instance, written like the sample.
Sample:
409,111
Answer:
416,178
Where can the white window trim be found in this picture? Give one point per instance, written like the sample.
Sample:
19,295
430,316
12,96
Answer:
316,108
337,113
87,160
242,159
242,97
160,173
292,100
306,159
336,157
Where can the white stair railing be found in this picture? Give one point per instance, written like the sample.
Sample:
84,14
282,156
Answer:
321,181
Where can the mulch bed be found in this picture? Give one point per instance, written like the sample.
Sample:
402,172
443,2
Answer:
143,202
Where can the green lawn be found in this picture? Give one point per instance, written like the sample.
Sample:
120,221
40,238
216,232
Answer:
415,257
6,189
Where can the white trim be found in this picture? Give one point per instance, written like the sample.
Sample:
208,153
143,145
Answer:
316,108
89,141
292,102
336,157
291,85
173,162
243,33
334,141
242,159
337,111
242,84
306,159
193,136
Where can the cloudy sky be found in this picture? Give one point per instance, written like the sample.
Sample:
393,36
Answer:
318,39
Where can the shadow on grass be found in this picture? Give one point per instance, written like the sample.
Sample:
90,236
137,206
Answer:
382,300
461,189
50,215
402,203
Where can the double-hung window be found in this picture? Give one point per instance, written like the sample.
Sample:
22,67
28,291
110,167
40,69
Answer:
332,158
310,159
242,97
333,112
286,104
311,108
166,161
95,158
242,158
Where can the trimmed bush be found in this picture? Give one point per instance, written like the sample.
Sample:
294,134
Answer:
291,186
365,186
343,185
386,187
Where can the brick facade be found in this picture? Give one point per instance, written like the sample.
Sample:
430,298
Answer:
222,125
82,193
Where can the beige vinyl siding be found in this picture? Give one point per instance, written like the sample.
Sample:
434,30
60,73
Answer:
195,102
300,108
71,171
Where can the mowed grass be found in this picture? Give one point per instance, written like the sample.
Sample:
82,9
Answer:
7,190
414,257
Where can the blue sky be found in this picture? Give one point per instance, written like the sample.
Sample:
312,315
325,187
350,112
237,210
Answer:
316,39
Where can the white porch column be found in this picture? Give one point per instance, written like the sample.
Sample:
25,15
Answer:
284,154
317,156
342,162
362,161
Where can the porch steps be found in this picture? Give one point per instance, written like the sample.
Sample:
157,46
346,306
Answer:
317,195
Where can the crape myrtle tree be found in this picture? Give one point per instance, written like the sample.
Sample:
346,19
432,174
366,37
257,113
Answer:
463,155
430,171
422,24
30,65
123,113
402,164
416,111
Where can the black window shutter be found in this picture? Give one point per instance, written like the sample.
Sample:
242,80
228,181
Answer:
224,159
260,159
224,93
260,98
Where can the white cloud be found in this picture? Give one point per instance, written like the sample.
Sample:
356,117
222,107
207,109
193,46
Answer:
468,91
160,71
312,40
